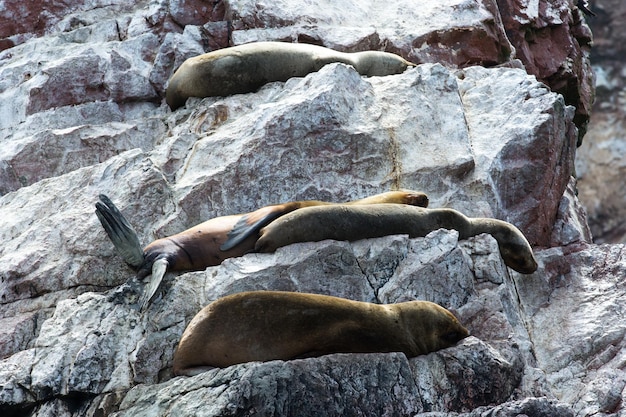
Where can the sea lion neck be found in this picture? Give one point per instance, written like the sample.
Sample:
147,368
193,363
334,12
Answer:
514,248
412,345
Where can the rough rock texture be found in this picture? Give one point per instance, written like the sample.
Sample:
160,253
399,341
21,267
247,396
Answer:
550,38
600,164
81,113
553,42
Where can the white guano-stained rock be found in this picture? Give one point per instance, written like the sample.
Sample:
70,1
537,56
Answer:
81,113
421,33
418,130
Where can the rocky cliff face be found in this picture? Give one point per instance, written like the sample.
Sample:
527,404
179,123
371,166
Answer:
600,163
487,123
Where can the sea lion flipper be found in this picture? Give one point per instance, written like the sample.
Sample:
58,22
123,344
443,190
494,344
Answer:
159,268
120,231
250,224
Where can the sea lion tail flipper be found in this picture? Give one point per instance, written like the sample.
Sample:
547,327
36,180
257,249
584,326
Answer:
120,232
250,224
159,268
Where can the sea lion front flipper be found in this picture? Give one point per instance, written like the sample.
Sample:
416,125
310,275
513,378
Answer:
250,224
159,268
120,232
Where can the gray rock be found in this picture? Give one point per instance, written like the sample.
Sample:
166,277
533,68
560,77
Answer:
600,167
81,113
528,407
335,385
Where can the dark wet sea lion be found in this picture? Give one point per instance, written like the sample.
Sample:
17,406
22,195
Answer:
245,68
343,222
209,243
269,325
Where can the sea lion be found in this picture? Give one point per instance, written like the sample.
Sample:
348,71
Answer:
209,243
245,68
269,325
342,222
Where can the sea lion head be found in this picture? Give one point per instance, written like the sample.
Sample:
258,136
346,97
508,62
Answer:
519,257
376,63
516,251
431,326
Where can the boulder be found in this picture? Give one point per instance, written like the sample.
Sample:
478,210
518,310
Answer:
472,125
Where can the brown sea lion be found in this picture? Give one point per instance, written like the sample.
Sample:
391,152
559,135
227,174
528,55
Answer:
245,68
343,222
209,243
268,325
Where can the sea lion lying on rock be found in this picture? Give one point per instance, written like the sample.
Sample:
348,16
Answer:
269,325
342,222
209,243
245,68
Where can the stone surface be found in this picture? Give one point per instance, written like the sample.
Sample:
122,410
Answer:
81,113
553,41
474,36
600,164
527,407
580,347
379,384
318,120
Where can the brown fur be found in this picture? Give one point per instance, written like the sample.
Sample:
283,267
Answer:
342,222
199,247
245,68
268,325
211,242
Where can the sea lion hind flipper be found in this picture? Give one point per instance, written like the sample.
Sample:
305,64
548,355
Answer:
159,268
120,232
250,224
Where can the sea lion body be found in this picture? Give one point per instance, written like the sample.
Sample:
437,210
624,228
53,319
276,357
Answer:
196,248
343,222
213,241
245,68
269,325
202,246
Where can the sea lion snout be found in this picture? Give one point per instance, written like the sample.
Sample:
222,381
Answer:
453,337
519,257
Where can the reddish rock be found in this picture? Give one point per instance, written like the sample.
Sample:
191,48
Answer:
28,17
39,17
196,12
553,41
76,80
600,163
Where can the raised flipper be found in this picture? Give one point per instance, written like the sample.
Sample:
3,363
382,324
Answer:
250,224
120,232
159,268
